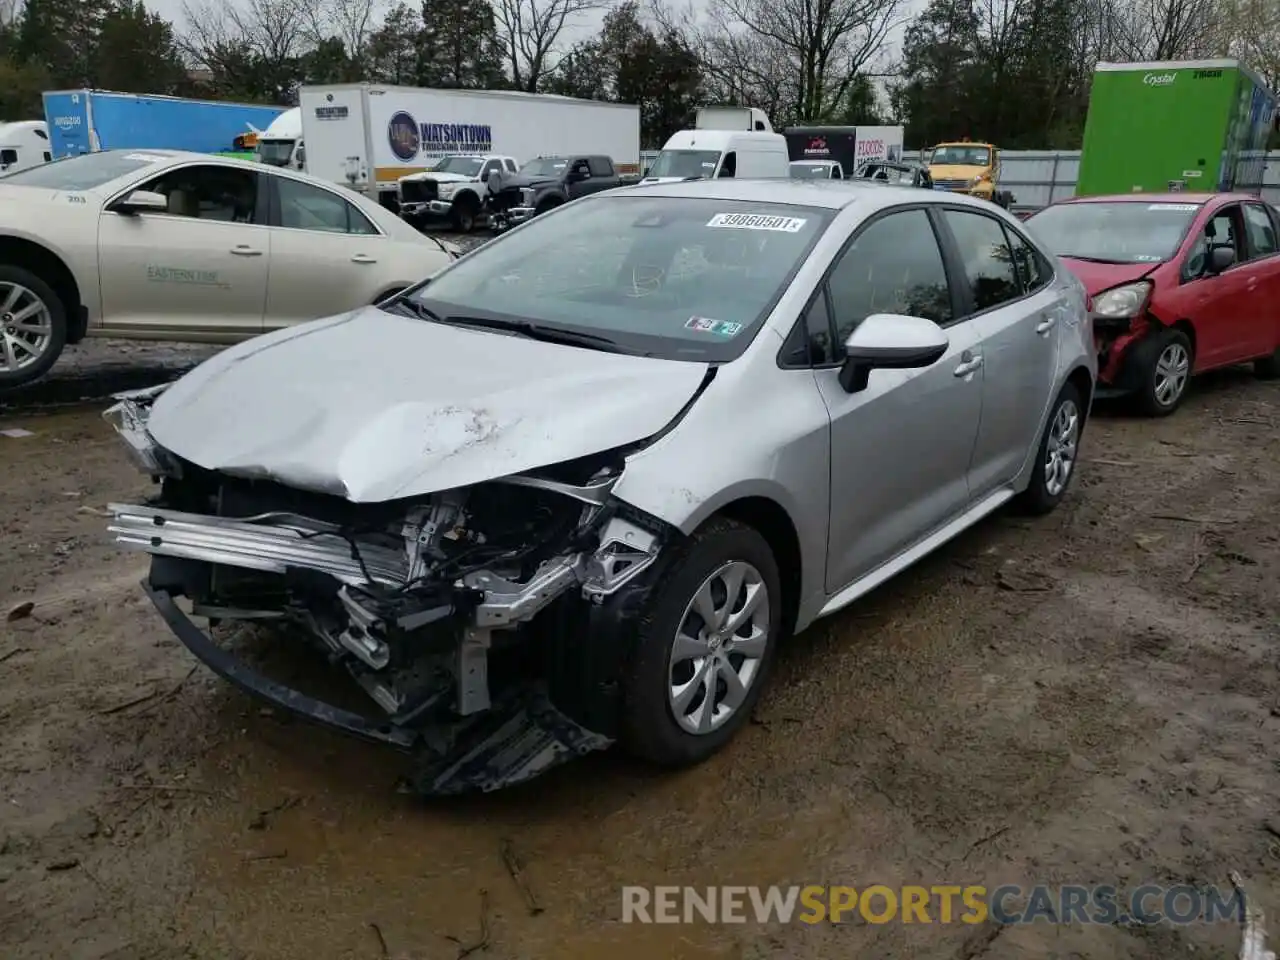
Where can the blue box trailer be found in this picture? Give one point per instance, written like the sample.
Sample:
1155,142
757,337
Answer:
84,121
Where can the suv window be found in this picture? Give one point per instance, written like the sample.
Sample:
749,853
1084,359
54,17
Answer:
600,167
209,192
1260,231
893,266
988,261
1033,272
305,207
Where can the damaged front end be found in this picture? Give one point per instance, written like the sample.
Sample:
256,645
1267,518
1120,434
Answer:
452,612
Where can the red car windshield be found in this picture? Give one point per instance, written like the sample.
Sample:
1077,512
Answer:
1123,231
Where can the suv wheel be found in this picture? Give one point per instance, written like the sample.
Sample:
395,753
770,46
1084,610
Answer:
33,327
704,646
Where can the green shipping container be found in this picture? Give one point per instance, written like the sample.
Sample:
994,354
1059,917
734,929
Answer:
1199,126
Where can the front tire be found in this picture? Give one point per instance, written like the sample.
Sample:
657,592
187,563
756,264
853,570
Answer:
704,646
1164,372
33,327
1057,455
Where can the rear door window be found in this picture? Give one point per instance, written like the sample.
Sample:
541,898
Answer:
988,260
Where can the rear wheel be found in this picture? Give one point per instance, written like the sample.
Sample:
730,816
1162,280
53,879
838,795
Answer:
33,327
1056,457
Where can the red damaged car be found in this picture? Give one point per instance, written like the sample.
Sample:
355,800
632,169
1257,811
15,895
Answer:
1179,283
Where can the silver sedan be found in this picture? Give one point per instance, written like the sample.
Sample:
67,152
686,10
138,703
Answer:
579,486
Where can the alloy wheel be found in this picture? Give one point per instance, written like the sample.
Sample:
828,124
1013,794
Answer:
26,327
1060,452
718,648
1172,370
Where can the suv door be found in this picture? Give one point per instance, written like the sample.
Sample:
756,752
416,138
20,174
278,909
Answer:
900,449
325,254
1017,313
201,268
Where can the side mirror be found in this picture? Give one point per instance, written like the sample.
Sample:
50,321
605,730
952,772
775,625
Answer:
1220,258
141,201
890,341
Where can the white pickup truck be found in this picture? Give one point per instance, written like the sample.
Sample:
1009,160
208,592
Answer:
456,188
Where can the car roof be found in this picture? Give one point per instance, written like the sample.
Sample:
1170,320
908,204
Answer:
827,194
1169,196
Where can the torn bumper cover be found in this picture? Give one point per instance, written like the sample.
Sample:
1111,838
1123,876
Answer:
393,600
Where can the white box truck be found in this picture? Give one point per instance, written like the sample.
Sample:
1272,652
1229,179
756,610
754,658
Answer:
368,136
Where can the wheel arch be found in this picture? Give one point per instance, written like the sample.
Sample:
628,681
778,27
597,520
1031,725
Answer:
44,263
771,520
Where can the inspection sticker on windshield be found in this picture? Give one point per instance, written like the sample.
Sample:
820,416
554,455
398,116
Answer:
717,328
1175,207
756,221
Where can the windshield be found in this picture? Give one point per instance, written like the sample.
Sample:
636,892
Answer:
466,166
962,155
278,153
685,163
545,167
83,172
1125,231
679,278
810,171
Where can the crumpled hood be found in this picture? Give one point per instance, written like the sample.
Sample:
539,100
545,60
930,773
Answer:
373,406
1098,277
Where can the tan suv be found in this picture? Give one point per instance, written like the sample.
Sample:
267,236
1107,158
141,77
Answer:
157,244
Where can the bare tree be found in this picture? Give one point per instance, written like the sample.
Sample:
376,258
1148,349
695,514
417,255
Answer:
531,30
1165,29
1250,31
9,11
351,21
826,42
263,28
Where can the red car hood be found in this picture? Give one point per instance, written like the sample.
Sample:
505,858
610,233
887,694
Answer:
1097,277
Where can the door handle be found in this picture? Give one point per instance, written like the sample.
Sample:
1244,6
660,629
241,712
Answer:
1046,323
244,250
968,366
363,258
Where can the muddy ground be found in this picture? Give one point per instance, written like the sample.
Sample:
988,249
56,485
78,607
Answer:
1091,697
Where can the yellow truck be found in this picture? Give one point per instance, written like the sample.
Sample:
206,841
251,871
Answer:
967,167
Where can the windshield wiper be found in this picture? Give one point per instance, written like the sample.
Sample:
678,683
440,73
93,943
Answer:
419,310
1080,256
535,331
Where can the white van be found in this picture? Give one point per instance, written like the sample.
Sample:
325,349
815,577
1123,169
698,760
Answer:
23,144
704,154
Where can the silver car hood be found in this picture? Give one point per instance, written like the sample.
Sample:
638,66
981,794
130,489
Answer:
373,406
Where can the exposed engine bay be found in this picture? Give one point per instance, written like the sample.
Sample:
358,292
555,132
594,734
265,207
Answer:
439,607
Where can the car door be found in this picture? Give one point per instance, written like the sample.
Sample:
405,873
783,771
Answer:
900,449
1264,276
201,268
1017,314
1218,306
325,254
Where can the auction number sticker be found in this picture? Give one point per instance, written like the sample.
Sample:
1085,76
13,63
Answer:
1175,207
718,328
757,221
